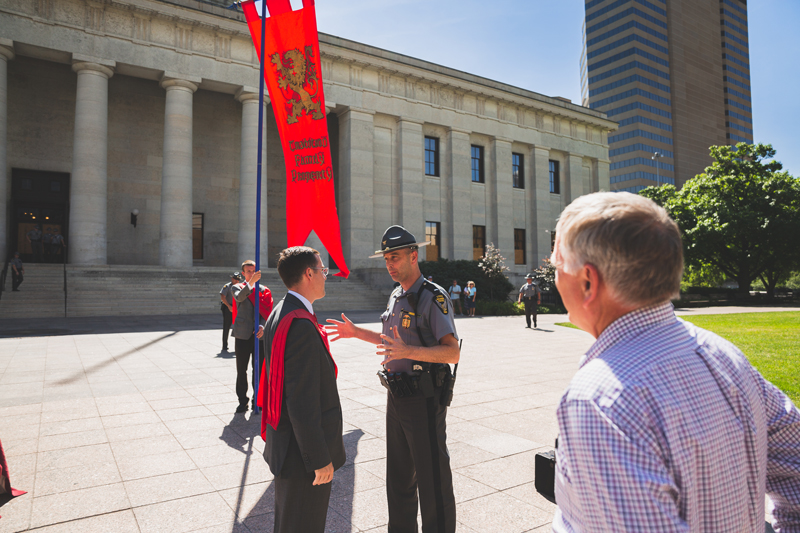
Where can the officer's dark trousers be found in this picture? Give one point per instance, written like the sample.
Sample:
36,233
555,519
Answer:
36,246
16,280
299,505
227,320
244,356
418,462
530,310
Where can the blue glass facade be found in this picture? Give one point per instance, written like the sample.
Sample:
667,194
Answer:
626,73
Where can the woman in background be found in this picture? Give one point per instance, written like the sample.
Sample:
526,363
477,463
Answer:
470,298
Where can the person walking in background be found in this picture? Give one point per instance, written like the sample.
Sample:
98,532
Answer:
47,241
34,237
226,306
531,296
16,272
244,317
302,418
455,296
58,245
665,426
469,298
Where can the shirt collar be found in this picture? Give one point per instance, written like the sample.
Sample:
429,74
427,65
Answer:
627,326
415,287
304,300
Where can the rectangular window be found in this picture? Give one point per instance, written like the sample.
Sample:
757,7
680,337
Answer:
518,170
478,241
555,178
519,246
477,164
432,235
197,235
431,156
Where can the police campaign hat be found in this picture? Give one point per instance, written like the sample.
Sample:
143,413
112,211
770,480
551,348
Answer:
237,276
529,276
397,238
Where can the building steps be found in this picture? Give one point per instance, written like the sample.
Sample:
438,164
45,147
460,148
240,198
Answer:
117,290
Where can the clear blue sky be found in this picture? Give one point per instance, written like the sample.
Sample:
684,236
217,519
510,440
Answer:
536,45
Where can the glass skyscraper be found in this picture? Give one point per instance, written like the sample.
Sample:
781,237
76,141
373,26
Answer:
675,74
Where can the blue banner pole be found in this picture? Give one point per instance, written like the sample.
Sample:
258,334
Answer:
256,359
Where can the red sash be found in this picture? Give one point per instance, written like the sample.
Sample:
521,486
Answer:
270,394
264,303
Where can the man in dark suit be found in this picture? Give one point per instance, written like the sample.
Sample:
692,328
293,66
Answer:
302,416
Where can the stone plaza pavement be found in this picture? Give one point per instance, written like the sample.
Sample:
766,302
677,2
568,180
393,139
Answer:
127,425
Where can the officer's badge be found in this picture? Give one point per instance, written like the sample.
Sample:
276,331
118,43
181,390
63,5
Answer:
406,321
441,302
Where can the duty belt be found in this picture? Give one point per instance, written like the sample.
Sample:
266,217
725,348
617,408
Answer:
424,382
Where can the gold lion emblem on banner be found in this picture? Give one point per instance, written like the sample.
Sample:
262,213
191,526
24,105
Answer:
298,73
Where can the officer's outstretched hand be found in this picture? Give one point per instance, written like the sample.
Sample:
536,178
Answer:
393,348
343,330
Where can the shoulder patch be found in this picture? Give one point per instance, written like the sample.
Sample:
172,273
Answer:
441,302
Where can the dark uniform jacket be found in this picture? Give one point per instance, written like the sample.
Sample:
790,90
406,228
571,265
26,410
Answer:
311,414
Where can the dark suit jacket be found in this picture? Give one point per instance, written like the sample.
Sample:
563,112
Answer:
311,410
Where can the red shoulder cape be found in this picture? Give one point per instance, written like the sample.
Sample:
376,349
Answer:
270,390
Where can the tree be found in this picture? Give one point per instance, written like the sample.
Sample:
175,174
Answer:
545,278
741,216
493,265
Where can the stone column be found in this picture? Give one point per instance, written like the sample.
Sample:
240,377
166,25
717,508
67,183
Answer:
541,220
603,178
574,177
460,178
175,246
359,235
501,201
247,178
409,176
88,209
6,54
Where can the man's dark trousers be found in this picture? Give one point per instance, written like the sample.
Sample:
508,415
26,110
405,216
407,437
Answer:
299,505
418,469
227,320
530,309
244,355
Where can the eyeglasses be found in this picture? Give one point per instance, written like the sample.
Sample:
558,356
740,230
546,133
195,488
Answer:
324,271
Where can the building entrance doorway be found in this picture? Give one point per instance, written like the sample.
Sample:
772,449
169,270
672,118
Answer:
40,211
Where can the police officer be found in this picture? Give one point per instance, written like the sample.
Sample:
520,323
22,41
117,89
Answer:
226,306
532,297
417,343
35,238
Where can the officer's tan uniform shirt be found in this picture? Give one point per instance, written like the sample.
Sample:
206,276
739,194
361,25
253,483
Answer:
434,312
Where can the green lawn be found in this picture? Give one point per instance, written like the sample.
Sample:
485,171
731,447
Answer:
771,341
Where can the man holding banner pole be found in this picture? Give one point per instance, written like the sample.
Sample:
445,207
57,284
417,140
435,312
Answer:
244,328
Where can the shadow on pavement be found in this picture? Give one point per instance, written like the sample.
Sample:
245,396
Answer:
240,434
114,359
51,327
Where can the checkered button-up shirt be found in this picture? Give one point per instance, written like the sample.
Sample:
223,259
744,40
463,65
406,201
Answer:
666,427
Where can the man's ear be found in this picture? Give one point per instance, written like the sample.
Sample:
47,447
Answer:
590,282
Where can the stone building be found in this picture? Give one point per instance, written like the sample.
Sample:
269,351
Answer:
114,107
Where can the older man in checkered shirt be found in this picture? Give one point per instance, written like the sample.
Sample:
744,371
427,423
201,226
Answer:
665,427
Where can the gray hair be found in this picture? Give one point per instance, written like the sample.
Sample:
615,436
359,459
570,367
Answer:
634,244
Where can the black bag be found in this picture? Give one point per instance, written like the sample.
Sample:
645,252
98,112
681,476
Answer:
545,472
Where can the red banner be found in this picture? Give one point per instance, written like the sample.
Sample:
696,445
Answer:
293,76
